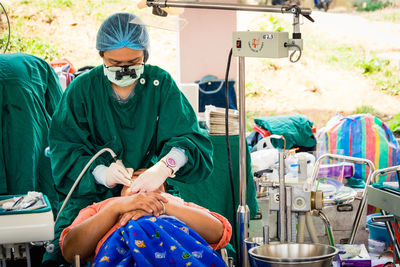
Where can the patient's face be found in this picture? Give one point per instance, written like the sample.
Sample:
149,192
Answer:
126,189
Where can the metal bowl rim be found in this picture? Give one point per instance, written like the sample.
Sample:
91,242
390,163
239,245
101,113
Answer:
309,259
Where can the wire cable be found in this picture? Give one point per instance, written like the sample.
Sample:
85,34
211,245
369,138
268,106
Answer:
228,149
9,28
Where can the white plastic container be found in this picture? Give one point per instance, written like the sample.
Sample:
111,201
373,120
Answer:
376,247
292,166
302,164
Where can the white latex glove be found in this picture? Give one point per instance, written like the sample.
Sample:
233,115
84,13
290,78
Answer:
152,178
351,252
118,174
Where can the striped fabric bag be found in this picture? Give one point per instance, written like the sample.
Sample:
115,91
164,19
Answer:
362,136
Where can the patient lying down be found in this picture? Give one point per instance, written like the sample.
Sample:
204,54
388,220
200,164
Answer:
146,229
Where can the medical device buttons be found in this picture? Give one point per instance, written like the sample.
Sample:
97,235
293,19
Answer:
156,82
142,81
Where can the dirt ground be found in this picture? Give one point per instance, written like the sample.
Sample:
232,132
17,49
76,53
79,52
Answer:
319,90
310,86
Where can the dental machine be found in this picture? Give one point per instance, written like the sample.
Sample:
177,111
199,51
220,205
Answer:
25,219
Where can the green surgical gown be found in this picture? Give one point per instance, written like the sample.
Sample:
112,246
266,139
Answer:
30,92
141,131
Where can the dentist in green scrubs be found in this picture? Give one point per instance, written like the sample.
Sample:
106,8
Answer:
133,108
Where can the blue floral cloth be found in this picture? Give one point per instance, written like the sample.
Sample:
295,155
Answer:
152,241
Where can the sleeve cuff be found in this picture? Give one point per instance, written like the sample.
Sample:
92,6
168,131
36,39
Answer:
175,159
227,234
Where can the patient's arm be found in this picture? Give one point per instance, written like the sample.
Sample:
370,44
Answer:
201,221
82,239
206,225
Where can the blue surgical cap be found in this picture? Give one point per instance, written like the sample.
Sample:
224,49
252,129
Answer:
118,31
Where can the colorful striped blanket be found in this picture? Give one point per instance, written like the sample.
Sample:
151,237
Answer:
363,136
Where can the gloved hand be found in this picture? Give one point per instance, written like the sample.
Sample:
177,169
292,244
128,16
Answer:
118,174
152,178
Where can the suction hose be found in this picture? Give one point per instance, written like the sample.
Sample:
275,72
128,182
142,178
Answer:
49,246
301,228
311,228
81,175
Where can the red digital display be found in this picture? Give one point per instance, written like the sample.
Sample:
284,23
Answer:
238,44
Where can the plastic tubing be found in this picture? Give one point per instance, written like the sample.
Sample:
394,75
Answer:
81,175
301,228
311,228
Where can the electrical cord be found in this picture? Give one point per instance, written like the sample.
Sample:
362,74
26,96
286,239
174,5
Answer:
228,149
9,29
292,54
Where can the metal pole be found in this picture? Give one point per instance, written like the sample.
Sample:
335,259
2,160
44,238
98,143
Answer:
384,171
363,203
282,197
28,255
289,213
396,224
227,6
266,234
392,235
243,210
296,24
389,218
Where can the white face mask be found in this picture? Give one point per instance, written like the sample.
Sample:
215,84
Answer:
123,76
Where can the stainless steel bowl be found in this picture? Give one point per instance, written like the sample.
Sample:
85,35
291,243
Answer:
276,255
